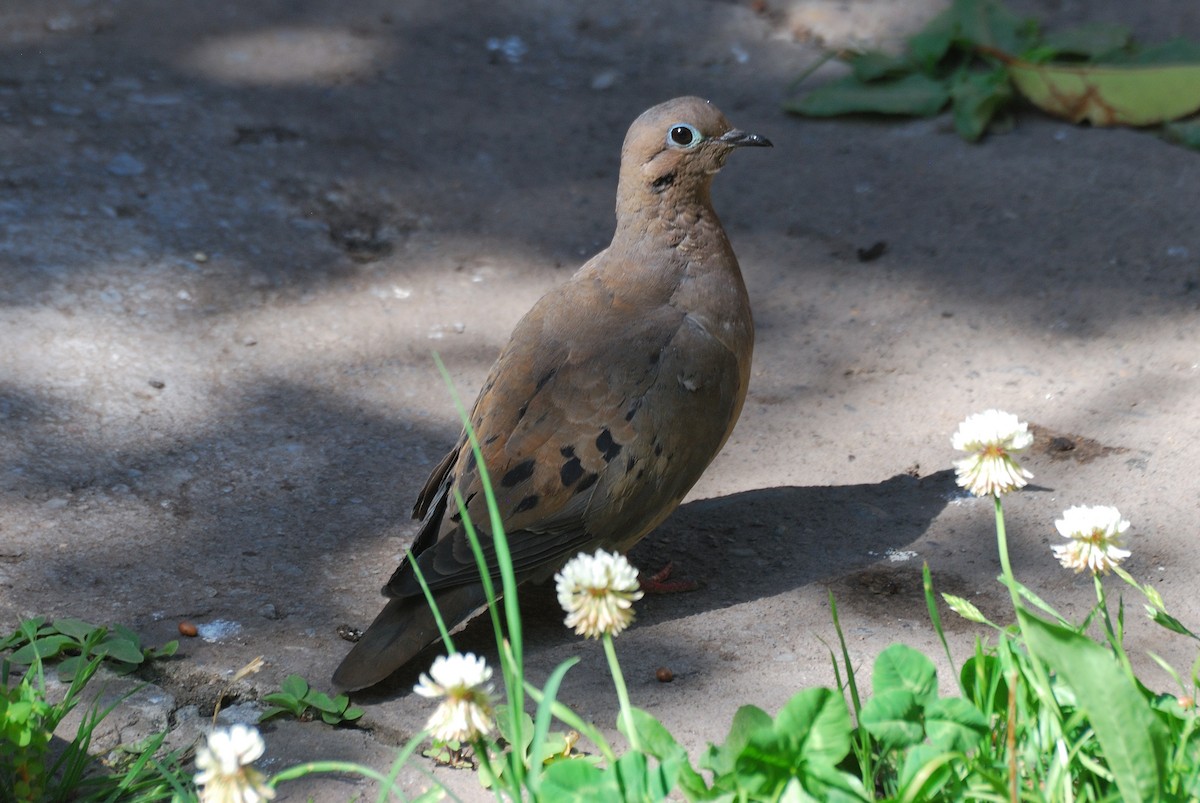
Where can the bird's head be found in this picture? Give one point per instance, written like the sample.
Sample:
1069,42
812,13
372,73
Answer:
673,149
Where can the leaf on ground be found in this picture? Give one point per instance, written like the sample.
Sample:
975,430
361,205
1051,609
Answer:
1090,41
1108,95
977,97
874,65
914,94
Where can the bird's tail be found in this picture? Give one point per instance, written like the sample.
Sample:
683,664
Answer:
402,629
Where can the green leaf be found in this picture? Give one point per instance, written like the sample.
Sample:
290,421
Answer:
675,766
873,65
165,651
990,24
954,724
894,718
748,721
352,713
977,97
914,94
294,685
902,667
568,781
925,771
75,628
1132,738
1110,95
322,702
1091,41
273,711
118,649
931,44
818,725
47,647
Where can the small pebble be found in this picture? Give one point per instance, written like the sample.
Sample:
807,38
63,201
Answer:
157,384
664,675
188,629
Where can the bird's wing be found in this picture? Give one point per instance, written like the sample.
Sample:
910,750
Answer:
569,423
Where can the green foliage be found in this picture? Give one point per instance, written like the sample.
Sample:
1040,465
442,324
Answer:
28,720
969,56
76,642
300,700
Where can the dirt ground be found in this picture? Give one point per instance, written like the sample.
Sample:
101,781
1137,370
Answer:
235,233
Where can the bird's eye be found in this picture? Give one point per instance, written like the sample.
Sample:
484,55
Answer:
683,136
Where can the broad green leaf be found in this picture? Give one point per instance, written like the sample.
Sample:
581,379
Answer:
75,628
47,647
925,770
747,721
914,94
894,718
322,702
988,23
874,65
817,723
931,44
976,98
569,781
1131,736
657,741
294,685
902,667
1090,41
954,724
119,649
1110,95
273,711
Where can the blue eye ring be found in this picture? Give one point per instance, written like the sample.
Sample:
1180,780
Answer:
682,135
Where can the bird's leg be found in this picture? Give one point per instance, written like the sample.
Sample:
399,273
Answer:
660,582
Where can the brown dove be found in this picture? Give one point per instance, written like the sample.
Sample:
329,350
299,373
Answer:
611,398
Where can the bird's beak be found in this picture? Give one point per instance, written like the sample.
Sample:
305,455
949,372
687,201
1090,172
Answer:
741,139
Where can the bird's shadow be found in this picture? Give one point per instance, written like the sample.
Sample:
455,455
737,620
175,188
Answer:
738,548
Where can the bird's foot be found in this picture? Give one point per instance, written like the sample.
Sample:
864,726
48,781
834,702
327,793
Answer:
660,582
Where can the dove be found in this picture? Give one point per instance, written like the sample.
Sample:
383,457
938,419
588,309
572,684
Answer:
611,398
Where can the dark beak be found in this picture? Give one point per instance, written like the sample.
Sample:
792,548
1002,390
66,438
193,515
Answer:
740,139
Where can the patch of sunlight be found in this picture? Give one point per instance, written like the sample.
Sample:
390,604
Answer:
287,57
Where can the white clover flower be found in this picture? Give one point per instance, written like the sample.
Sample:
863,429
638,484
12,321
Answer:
224,762
462,683
992,437
598,592
1095,534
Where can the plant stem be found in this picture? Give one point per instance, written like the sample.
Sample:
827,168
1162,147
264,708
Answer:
622,693
1002,545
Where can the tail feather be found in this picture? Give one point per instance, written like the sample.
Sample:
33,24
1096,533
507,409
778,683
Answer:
402,629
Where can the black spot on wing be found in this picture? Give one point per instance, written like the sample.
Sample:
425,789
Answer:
633,408
518,473
630,463
587,482
607,446
570,472
528,503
